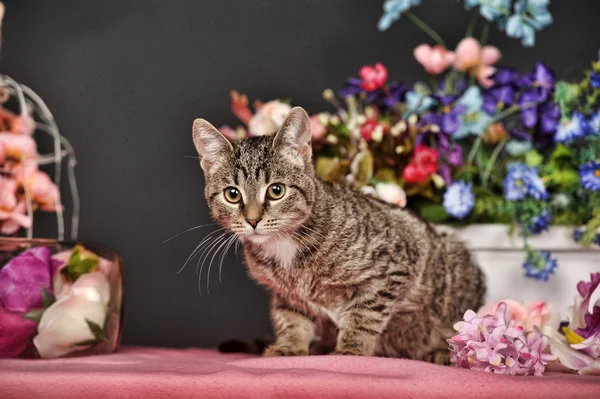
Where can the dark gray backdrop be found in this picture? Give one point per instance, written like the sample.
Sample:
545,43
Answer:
125,79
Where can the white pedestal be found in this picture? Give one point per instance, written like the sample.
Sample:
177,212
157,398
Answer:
501,258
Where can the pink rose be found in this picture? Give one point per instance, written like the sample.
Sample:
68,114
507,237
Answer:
373,77
15,333
317,130
269,118
434,59
537,313
391,193
476,61
64,325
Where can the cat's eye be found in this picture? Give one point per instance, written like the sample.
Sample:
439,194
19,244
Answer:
276,191
232,195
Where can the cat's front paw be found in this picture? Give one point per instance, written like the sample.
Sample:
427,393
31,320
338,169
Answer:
278,350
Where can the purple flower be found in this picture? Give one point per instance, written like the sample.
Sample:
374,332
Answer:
580,314
594,123
577,234
498,98
590,176
495,344
541,222
505,76
539,265
352,88
451,120
22,280
529,102
541,77
549,116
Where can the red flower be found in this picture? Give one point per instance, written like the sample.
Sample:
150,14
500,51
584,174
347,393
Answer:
373,77
366,130
421,166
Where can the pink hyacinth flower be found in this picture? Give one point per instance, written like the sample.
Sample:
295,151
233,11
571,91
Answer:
495,343
434,59
477,61
373,77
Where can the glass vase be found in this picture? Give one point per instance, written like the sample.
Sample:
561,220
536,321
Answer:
59,299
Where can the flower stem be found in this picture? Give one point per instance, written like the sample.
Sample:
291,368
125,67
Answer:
472,153
472,25
492,161
426,28
484,34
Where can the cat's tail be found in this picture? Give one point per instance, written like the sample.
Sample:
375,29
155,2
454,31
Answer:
254,347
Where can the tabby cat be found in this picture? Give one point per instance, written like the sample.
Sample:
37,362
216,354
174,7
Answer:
348,272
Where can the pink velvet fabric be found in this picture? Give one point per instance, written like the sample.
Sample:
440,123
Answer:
168,373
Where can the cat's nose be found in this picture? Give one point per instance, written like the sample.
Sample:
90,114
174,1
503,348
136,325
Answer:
253,222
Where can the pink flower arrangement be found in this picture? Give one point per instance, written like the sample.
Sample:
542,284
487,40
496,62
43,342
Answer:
497,344
21,179
53,304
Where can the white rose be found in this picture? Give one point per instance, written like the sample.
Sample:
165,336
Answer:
392,193
64,323
269,118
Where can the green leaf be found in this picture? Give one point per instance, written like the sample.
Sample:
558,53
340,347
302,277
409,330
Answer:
47,298
422,88
533,158
34,315
566,95
433,212
98,331
362,168
561,157
385,175
86,343
567,179
81,262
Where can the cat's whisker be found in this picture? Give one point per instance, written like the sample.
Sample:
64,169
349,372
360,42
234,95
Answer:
224,255
197,249
203,256
187,231
222,245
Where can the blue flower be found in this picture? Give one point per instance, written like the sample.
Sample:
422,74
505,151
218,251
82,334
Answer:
490,9
577,234
573,129
417,103
530,15
539,265
474,120
392,10
459,199
540,222
595,80
522,181
594,123
589,174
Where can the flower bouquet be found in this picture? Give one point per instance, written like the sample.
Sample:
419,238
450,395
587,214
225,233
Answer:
56,298
509,338
474,144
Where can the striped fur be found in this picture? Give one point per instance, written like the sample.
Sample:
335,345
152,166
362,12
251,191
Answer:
362,276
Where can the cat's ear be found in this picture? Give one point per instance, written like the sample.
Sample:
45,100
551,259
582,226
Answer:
211,145
293,138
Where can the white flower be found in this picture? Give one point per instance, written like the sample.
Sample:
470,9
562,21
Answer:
65,322
392,193
269,118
